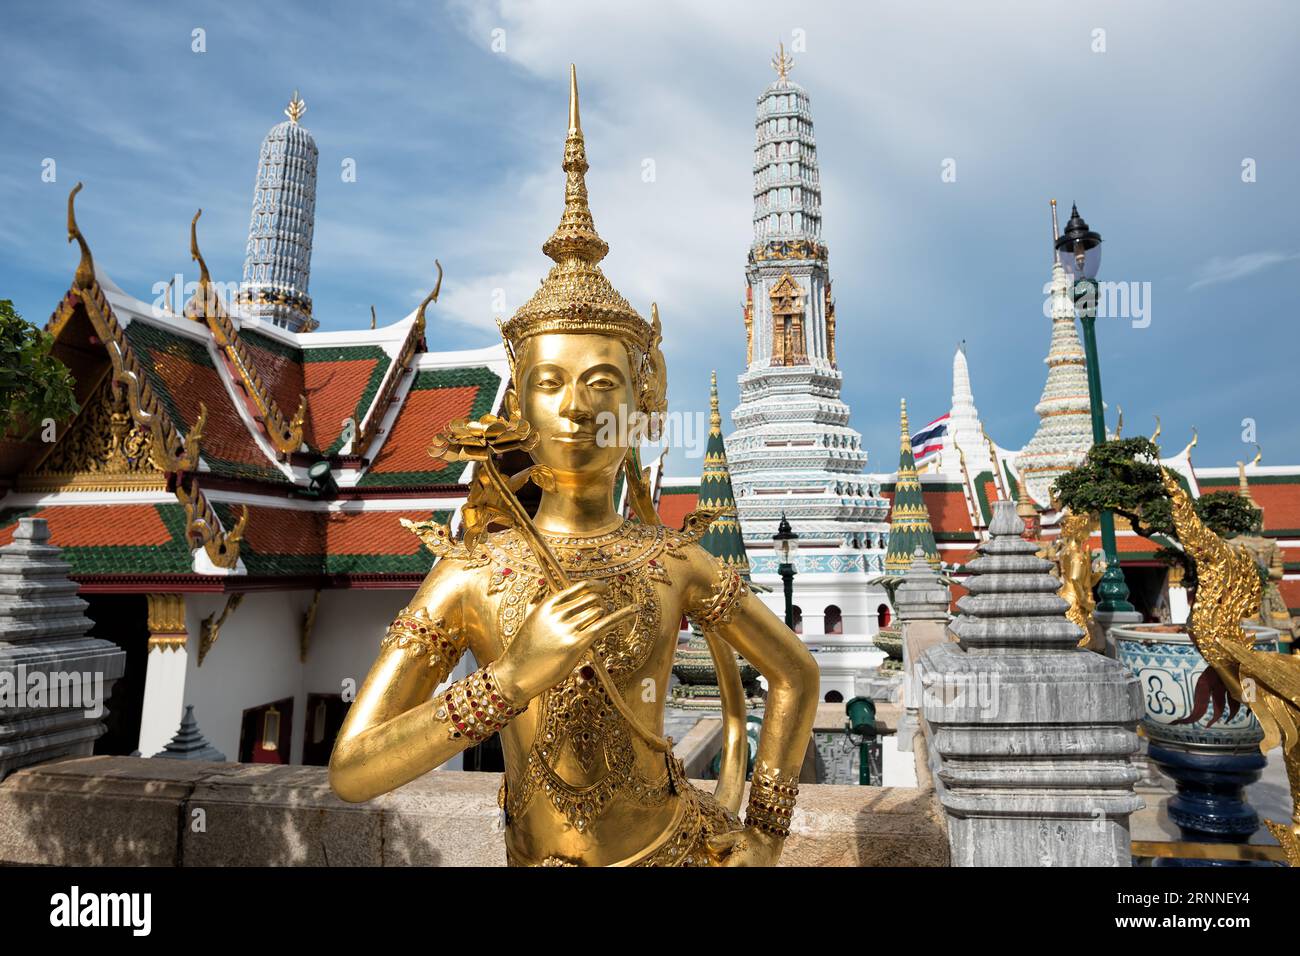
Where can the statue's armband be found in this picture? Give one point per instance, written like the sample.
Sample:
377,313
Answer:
427,638
728,590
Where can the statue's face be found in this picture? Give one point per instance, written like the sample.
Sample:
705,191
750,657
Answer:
574,389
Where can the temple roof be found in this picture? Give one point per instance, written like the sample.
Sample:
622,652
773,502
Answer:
184,464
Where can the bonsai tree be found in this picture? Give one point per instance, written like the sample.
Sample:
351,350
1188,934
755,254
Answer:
34,386
1124,476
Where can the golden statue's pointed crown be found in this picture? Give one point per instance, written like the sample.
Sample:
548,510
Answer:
576,296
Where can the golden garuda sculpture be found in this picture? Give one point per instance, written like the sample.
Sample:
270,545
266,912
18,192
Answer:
573,611
1078,575
1228,591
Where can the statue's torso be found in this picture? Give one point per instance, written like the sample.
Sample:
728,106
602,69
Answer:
580,784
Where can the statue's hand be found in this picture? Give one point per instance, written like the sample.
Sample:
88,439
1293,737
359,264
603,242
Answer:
748,847
553,638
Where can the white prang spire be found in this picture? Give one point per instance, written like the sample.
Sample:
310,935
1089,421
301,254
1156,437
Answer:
965,431
787,186
1065,421
277,265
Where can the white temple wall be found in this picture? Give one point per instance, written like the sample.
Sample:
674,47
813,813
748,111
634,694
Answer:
255,661
350,623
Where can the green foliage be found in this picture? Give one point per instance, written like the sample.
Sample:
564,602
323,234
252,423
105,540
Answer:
33,384
1227,513
1123,476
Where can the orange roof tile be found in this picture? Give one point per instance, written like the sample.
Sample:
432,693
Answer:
674,506
423,414
100,526
333,390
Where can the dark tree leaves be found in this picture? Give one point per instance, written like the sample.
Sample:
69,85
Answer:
1124,476
33,384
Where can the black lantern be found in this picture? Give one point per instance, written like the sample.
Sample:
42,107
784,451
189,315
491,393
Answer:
785,543
1079,248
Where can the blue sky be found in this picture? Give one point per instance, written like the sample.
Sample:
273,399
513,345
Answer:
457,148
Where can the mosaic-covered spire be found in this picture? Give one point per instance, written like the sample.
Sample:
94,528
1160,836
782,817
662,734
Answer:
793,450
909,526
723,539
787,187
1065,419
277,263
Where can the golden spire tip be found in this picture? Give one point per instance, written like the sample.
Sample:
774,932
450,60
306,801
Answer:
296,108
575,121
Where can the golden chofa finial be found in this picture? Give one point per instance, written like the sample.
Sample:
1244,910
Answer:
1243,486
85,275
204,277
296,108
197,307
782,62
431,297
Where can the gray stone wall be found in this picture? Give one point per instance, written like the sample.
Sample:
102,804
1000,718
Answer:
126,811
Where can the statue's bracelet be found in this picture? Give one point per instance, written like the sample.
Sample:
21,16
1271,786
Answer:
474,708
771,801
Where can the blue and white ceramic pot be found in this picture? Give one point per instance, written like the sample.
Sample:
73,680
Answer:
1210,755
1168,667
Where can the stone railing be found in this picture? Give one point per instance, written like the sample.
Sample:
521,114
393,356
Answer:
128,811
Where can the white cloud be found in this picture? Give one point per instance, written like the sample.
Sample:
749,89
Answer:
1221,269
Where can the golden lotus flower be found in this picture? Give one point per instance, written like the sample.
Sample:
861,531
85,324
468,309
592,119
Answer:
465,440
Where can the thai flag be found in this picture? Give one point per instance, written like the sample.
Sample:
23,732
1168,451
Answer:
929,440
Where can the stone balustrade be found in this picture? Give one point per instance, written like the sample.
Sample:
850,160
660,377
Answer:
129,811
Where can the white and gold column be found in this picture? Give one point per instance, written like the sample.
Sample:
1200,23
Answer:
164,683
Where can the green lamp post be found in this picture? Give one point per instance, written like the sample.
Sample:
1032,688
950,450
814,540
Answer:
1079,252
861,730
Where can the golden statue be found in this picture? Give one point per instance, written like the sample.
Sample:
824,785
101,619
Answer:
1079,575
1228,591
1273,610
573,612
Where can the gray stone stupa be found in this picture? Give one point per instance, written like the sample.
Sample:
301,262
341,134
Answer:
189,742
1030,736
54,680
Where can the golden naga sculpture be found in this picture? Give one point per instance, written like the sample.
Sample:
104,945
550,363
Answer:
1228,591
572,612
1078,575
